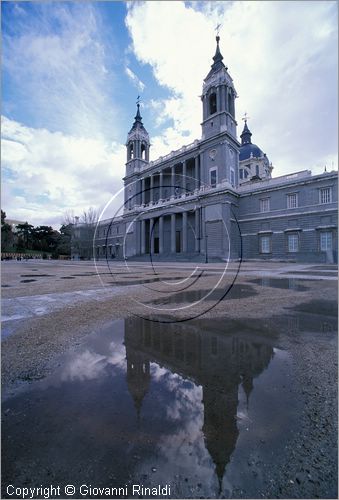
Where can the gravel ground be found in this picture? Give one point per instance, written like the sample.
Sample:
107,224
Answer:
32,345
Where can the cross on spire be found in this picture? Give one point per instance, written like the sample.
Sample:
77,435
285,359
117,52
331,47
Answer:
245,117
138,100
217,29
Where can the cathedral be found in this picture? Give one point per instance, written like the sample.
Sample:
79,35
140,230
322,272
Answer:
216,199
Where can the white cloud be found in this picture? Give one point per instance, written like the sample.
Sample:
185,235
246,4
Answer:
281,55
47,173
85,366
136,81
58,59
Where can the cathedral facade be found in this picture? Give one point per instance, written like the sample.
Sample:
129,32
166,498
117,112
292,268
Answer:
216,199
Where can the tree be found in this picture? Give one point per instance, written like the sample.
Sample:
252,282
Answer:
7,235
26,235
45,238
64,243
83,230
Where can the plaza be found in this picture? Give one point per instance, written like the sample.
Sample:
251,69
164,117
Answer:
111,392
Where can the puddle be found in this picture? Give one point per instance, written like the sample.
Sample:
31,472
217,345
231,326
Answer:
26,281
325,273
154,404
143,281
318,307
326,268
285,283
190,296
37,275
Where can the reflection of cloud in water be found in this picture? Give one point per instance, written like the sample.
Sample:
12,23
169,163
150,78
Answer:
188,396
185,444
117,355
85,366
88,365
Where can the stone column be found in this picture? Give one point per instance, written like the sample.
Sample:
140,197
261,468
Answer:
223,98
143,191
173,233
184,172
200,170
196,172
143,235
161,234
151,235
173,180
160,185
151,197
197,231
184,231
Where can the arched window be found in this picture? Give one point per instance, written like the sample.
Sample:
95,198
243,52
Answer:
230,107
130,152
213,103
143,152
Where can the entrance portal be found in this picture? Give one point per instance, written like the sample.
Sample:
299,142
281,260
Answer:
156,244
178,241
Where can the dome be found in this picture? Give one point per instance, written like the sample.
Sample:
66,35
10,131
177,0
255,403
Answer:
247,149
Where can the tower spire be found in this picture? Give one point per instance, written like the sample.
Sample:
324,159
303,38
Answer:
138,118
246,133
218,57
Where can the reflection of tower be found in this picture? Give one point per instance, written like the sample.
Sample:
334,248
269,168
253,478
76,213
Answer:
210,357
253,364
138,377
220,426
247,385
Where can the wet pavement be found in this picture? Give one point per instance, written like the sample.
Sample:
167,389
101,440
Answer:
158,403
209,408
148,403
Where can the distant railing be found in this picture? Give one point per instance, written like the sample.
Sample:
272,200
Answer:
172,154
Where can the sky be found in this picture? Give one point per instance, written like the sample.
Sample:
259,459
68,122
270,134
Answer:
72,71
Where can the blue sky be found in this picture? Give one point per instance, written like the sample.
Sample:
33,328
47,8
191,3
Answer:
71,72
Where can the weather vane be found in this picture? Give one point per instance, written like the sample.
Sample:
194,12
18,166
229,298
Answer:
217,29
138,99
245,117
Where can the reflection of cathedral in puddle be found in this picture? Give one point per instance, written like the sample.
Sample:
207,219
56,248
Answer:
218,361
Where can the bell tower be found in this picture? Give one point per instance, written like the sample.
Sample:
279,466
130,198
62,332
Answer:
218,97
137,145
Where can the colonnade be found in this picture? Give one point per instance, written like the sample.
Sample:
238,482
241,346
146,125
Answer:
187,183
150,233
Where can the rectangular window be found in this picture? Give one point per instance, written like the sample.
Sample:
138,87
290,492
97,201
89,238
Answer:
213,178
325,195
325,241
257,170
292,200
293,242
241,173
265,244
265,205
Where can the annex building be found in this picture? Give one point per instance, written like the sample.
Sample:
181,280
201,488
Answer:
216,198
